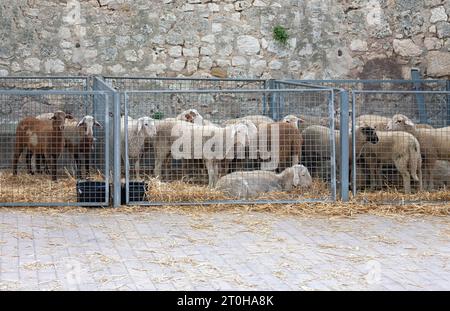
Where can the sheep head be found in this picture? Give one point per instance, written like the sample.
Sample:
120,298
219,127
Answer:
294,120
59,118
87,124
301,177
367,134
400,122
146,127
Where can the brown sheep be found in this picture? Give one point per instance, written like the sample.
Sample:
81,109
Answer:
40,137
289,140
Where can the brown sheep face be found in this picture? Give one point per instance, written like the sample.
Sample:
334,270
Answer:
58,120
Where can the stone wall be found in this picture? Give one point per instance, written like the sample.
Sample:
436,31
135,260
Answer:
225,38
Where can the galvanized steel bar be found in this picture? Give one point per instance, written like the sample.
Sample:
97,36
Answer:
344,143
353,144
116,136
333,144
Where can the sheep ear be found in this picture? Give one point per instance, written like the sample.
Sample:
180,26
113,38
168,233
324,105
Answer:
409,122
139,125
296,179
96,123
81,122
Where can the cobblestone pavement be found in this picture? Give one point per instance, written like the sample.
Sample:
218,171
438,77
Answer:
92,249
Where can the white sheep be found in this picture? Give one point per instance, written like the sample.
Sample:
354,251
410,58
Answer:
253,183
434,143
210,143
255,119
138,131
400,148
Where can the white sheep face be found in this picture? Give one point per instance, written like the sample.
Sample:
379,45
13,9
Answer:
295,121
88,123
146,127
400,122
302,178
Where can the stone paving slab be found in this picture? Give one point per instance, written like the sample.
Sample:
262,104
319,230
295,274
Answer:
160,250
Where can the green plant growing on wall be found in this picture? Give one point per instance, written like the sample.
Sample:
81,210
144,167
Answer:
280,34
158,115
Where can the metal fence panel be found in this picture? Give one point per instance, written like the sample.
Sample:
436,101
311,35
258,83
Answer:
408,154
163,83
166,174
45,83
45,141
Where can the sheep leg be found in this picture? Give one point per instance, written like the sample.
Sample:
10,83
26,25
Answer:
87,159
38,158
402,166
52,160
19,147
211,172
28,156
76,156
137,168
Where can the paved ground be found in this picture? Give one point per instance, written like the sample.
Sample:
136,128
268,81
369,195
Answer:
98,250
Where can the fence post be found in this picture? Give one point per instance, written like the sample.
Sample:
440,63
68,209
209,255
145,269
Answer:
116,164
447,88
415,75
344,142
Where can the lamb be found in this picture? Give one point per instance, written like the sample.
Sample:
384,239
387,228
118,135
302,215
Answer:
400,148
375,121
434,143
255,119
197,142
138,131
281,143
250,184
43,137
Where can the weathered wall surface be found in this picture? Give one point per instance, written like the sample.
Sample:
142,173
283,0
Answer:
328,38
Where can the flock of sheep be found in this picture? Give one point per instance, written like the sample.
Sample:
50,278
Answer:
245,156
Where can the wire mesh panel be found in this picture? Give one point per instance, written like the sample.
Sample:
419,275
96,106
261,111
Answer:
400,148
53,148
220,148
44,83
148,83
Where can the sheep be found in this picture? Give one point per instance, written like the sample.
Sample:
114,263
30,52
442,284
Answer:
45,137
303,121
79,139
244,161
400,148
250,184
281,143
197,142
138,131
375,121
434,143
256,119
317,148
